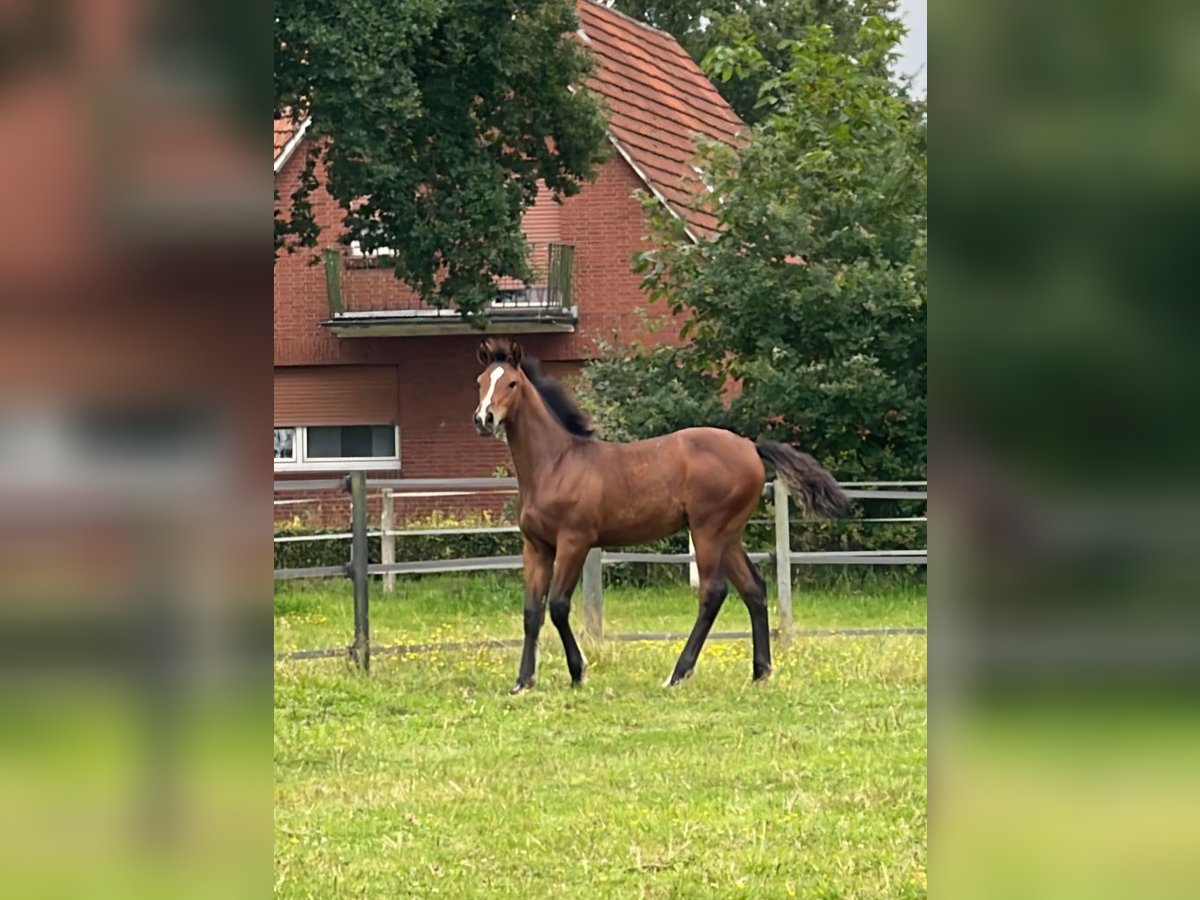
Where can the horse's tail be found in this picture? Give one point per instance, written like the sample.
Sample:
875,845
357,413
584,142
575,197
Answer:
814,489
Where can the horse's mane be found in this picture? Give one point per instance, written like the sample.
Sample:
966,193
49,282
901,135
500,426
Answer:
556,397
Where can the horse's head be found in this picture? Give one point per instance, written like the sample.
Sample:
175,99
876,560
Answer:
499,383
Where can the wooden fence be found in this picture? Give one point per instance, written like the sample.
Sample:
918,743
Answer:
359,570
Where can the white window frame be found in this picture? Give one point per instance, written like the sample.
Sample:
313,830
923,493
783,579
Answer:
301,462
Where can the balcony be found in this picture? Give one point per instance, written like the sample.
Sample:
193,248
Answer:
366,300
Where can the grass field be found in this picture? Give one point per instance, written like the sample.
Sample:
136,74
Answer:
426,779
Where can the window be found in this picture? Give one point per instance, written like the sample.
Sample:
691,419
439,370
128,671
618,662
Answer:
336,448
351,441
285,445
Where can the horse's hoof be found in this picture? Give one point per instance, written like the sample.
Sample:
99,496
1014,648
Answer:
577,680
672,681
519,688
762,677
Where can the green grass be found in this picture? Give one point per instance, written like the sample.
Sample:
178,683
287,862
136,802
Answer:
478,606
426,779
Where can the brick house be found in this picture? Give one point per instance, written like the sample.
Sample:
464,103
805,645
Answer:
368,377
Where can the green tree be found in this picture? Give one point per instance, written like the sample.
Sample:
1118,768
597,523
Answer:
812,299
700,26
436,119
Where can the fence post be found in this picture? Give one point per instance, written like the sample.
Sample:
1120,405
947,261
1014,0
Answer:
360,650
783,559
593,595
387,542
693,569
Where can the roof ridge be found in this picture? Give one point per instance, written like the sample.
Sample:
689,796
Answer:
628,18
648,42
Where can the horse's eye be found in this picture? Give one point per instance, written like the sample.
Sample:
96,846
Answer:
513,383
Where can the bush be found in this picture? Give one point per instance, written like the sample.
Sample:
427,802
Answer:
304,554
457,546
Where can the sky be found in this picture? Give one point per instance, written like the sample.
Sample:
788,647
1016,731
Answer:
912,48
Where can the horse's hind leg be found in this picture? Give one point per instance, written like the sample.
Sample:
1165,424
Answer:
713,589
753,590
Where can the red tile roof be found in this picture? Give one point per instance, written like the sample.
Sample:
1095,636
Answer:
658,101
284,129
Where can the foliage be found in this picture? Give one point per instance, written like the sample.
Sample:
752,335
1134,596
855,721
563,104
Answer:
305,554
809,308
435,121
635,393
701,26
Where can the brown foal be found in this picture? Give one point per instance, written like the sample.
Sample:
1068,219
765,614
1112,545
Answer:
576,492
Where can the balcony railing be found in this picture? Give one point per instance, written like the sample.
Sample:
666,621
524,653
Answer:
366,299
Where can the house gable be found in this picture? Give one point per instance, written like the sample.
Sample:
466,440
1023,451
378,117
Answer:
659,102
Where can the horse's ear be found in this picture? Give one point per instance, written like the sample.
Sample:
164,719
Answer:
514,353
484,353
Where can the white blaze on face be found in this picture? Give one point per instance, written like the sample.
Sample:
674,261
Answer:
487,398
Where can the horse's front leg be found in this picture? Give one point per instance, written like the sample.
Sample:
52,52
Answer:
539,564
568,565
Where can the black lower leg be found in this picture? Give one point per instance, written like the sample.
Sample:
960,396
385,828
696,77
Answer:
533,626
753,589
560,615
711,598
760,634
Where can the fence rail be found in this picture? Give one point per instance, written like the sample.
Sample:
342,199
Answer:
483,529
360,571
509,485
